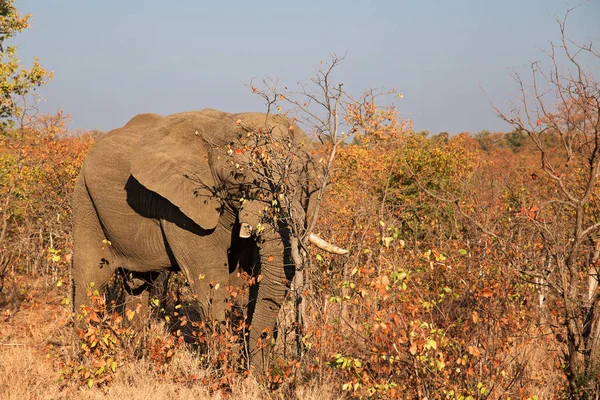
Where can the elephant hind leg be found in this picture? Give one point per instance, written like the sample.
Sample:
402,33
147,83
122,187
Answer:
91,270
93,261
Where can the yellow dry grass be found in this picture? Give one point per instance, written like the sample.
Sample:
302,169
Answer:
35,336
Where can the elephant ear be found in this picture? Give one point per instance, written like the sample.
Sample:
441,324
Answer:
172,160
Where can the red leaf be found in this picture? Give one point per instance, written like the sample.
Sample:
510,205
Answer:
533,212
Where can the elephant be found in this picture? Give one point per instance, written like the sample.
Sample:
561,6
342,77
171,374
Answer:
160,193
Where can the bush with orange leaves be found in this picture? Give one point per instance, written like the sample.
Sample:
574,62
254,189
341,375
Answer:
39,163
425,306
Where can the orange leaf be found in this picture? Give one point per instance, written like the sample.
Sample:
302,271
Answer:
413,349
486,292
533,212
523,211
474,351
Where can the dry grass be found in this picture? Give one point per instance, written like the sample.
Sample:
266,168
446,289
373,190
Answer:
36,339
28,335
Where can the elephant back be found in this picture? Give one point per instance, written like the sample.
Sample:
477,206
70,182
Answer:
147,119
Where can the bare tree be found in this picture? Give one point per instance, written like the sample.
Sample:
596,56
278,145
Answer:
319,107
561,102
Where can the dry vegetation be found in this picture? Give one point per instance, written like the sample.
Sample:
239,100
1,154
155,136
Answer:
472,273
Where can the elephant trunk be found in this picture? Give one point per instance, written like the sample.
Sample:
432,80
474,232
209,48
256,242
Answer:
276,272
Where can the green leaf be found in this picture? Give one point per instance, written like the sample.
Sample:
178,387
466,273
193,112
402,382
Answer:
432,344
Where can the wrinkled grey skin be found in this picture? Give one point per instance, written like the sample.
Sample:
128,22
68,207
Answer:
158,194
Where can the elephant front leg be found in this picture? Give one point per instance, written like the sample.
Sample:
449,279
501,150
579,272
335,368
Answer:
203,259
134,291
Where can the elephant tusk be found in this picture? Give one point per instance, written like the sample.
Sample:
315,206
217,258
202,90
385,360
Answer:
245,230
325,245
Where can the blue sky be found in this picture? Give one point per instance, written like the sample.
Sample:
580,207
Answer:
113,59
